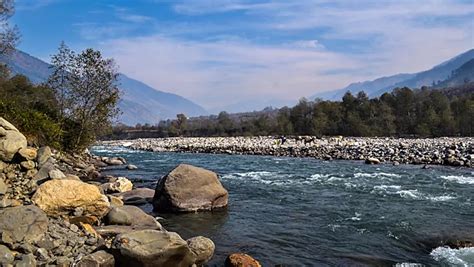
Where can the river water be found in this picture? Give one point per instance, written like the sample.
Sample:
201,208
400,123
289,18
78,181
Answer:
307,212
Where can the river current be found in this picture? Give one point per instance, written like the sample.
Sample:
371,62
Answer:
307,212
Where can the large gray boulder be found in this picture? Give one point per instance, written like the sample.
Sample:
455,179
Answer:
131,215
149,248
188,188
137,196
11,140
22,224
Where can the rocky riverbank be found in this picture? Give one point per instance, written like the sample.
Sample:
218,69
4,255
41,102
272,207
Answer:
57,209
435,151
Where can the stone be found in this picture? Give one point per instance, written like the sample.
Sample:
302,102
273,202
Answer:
56,174
113,161
43,172
131,167
3,187
6,256
372,161
22,224
89,229
114,230
241,260
115,201
62,197
11,140
188,188
72,177
27,164
202,247
97,259
121,184
28,153
43,154
27,260
138,196
131,215
149,248
83,219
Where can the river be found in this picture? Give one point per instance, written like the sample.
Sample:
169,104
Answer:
307,212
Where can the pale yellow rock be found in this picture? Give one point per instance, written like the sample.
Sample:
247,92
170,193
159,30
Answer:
62,197
28,153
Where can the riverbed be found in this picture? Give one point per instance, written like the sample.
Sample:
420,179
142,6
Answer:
304,211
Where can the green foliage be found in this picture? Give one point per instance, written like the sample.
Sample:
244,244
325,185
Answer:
32,109
403,112
85,87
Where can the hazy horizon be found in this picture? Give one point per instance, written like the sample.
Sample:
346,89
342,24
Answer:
240,51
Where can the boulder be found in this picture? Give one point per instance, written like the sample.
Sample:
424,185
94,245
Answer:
131,215
122,184
28,164
372,161
202,247
188,188
138,196
241,260
64,197
27,260
131,167
108,231
97,259
11,140
149,248
56,174
43,154
3,187
22,224
113,161
28,153
6,256
115,201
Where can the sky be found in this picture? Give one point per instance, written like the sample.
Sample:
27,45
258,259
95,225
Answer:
223,53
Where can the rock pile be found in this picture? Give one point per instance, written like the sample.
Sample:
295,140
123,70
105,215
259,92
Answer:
57,209
436,151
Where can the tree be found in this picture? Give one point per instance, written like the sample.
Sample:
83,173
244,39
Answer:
85,85
9,35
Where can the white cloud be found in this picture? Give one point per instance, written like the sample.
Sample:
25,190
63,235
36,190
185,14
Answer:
375,38
213,73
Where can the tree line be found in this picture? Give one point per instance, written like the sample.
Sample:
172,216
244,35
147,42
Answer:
424,112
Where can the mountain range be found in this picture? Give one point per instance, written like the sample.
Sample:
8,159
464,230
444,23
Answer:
140,103
449,73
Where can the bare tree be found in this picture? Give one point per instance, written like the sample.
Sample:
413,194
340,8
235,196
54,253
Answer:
9,35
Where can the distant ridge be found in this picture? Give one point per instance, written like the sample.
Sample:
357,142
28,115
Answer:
377,87
140,102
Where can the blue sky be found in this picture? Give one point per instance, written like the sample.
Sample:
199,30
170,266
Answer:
229,52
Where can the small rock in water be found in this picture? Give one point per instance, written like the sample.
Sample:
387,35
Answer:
372,161
241,260
131,167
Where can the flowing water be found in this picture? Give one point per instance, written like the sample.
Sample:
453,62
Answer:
307,212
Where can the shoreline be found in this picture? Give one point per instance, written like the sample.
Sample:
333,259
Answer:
447,151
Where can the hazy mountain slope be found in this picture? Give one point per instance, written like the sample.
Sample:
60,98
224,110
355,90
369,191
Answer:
460,76
379,86
434,75
140,103
370,87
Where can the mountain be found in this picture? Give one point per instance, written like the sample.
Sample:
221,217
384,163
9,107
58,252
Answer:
140,103
460,76
377,87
